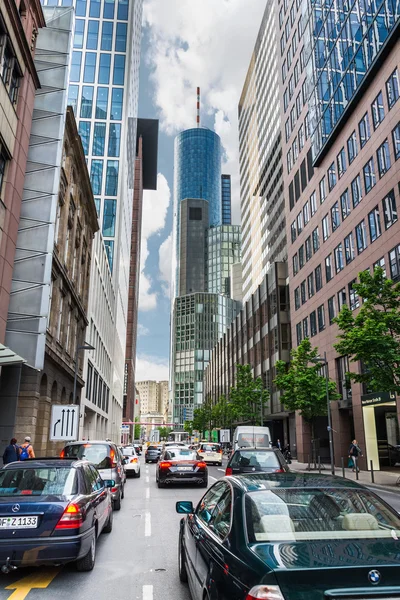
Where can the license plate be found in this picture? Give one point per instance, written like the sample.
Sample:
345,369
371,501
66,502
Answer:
209,453
18,522
184,468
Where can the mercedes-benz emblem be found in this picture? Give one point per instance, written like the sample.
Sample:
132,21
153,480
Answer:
15,507
374,577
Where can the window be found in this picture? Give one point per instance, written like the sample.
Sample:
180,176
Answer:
298,105
308,248
106,35
339,262
123,9
90,67
73,91
344,205
369,175
299,223
298,333
356,192
331,309
378,112
295,150
81,8
396,141
104,68
313,203
99,139
195,213
325,228
96,176
315,239
306,213
322,190
301,137
305,328
383,156
341,298
380,263
76,66
361,237
120,40
293,232
101,103
321,317
297,298
331,176
349,248
3,162
114,139
328,268
341,162
292,118
94,10
87,102
285,106
289,160
109,214
303,292
389,209
108,10
116,104
318,278
335,216
119,69
352,147
284,71
79,33
112,178
392,88
109,248
93,34
374,224
60,317
354,300
310,285
84,132
364,130
394,262
313,323
301,257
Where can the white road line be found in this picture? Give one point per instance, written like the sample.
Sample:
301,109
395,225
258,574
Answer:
147,526
147,592
223,470
213,478
147,493
147,479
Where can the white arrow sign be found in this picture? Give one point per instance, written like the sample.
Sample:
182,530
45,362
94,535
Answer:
64,422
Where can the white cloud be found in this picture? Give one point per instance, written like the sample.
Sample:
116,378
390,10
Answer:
207,43
165,265
155,207
142,330
151,367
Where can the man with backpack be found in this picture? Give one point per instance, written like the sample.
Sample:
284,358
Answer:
26,449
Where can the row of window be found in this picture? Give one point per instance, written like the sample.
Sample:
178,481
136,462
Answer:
10,71
97,390
92,39
95,8
96,177
99,108
99,138
104,68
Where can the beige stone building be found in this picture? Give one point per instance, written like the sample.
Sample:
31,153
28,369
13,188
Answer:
75,226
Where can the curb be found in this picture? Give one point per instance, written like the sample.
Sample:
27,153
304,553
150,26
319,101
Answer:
390,488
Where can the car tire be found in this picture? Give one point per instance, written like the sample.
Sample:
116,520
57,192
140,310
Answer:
117,503
204,484
138,473
160,484
122,492
183,577
109,525
86,563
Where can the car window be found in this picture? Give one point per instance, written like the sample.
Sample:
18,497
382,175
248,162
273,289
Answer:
128,452
220,521
254,458
97,482
94,453
43,481
207,504
179,454
250,439
152,448
210,448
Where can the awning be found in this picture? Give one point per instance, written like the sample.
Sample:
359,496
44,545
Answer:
8,357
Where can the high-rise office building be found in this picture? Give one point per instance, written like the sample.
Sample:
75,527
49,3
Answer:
223,251
260,149
339,76
226,190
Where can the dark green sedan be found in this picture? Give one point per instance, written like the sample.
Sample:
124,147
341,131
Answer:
289,536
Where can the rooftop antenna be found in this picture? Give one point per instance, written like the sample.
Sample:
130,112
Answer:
198,107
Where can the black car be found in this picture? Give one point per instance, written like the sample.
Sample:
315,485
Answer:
51,513
152,454
181,465
289,536
255,460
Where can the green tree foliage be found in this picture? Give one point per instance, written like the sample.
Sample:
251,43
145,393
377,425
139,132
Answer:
164,432
188,427
202,417
137,429
248,396
222,413
302,385
373,335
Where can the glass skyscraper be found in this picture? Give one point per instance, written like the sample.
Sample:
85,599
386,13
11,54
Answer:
223,251
226,199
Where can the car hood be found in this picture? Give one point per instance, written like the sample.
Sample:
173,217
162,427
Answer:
313,567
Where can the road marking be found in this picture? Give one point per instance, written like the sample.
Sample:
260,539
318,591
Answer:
223,470
147,592
147,493
147,524
23,586
147,479
211,477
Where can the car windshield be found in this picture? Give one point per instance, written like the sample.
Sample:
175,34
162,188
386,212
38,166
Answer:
38,482
210,448
255,458
255,440
128,452
315,514
152,448
180,454
94,453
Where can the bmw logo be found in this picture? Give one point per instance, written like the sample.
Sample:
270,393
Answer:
15,508
374,577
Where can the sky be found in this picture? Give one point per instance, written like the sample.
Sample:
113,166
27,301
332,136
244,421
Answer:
186,43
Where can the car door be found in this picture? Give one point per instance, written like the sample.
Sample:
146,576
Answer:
101,497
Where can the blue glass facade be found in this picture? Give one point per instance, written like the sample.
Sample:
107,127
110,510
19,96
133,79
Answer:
226,199
343,38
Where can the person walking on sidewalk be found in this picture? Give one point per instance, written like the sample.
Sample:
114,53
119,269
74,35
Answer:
26,449
354,453
11,453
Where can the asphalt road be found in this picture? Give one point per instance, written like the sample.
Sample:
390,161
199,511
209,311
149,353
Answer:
137,561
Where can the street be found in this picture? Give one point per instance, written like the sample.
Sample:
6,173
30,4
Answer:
138,560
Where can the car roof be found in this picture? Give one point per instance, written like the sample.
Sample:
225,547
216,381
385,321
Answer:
253,482
90,442
37,463
259,449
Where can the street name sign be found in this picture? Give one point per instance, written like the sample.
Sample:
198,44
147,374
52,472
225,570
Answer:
64,422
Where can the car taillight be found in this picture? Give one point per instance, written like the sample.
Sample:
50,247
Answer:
62,454
71,518
228,471
279,470
133,460
265,592
114,489
202,465
112,456
165,465
219,451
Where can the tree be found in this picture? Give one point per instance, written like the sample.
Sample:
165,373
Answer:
373,335
222,413
137,429
202,417
188,427
249,397
164,432
302,385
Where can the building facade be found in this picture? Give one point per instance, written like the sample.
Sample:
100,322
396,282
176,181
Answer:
340,125
262,201
223,251
226,190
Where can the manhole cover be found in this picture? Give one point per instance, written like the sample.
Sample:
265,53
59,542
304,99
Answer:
159,570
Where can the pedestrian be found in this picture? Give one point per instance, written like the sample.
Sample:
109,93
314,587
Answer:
26,449
278,444
11,453
354,453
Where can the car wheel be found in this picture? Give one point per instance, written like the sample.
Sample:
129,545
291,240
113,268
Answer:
122,492
160,484
87,562
138,473
109,525
182,562
117,503
205,483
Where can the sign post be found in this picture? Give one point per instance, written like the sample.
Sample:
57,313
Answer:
64,422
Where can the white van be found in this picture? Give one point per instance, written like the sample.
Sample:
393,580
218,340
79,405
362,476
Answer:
247,436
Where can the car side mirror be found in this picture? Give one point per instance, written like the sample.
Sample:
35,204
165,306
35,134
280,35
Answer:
184,507
125,461
109,483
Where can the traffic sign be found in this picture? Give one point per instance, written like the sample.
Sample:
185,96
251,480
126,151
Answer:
224,435
124,428
64,422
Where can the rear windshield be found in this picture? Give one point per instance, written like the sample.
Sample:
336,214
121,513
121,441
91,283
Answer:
253,440
210,448
152,448
180,453
254,458
128,451
94,453
38,482
296,515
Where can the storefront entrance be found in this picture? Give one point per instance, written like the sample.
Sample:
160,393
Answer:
381,427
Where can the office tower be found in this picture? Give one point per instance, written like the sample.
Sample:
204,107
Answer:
223,251
340,122
260,154
226,190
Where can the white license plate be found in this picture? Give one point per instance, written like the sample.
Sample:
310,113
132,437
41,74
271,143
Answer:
209,454
18,522
184,468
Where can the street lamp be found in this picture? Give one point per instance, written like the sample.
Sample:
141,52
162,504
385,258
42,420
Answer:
319,359
84,347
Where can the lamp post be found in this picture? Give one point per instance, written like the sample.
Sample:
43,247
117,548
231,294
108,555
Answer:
78,348
319,359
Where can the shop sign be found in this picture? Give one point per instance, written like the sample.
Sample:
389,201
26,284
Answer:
378,398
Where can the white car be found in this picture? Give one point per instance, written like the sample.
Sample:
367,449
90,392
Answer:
210,453
132,466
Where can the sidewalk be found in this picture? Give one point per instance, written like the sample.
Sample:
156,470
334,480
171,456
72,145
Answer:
385,479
